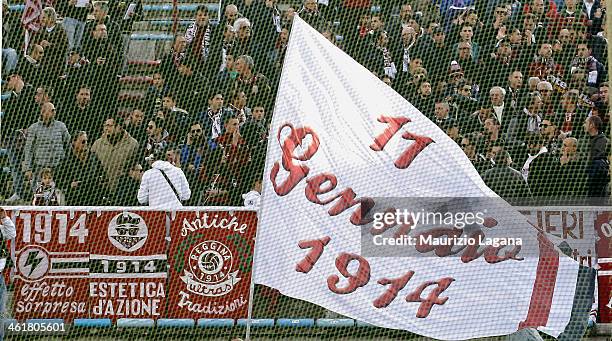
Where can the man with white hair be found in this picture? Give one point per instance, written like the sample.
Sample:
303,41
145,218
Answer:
501,112
244,43
230,14
546,92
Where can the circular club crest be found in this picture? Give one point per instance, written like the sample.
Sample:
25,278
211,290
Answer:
33,263
128,231
211,261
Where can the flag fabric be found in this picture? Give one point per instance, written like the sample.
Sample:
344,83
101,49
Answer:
30,19
340,140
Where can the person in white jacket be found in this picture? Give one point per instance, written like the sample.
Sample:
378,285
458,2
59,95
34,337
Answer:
161,191
8,231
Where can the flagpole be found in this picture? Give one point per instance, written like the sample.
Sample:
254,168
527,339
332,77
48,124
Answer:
264,186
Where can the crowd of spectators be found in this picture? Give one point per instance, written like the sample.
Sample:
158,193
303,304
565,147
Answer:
521,86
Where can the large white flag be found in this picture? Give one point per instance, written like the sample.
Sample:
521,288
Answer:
342,143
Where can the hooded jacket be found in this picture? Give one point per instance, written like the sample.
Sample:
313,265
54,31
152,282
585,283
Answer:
156,191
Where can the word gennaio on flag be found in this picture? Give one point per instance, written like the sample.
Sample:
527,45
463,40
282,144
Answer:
346,148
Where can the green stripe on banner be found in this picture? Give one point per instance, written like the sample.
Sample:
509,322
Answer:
583,300
71,265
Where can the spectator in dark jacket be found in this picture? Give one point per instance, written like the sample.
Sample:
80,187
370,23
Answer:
129,183
598,168
506,181
52,37
80,173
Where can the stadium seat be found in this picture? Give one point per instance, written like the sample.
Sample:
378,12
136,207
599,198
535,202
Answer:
215,323
175,323
145,62
363,324
256,322
295,322
181,7
47,321
92,323
335,322
135,323
170,22
133,79
18,8
151,36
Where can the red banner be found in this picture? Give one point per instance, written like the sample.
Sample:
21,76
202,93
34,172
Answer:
52,261
128,264
603,228
211,263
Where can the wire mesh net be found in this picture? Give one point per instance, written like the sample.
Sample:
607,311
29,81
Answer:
97,93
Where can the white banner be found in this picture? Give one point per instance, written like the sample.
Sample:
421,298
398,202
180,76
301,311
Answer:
341,137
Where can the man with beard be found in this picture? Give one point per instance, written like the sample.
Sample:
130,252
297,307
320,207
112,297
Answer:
583,60
114,149
80,114
80,173
424,100
157,137
204,43
134,125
